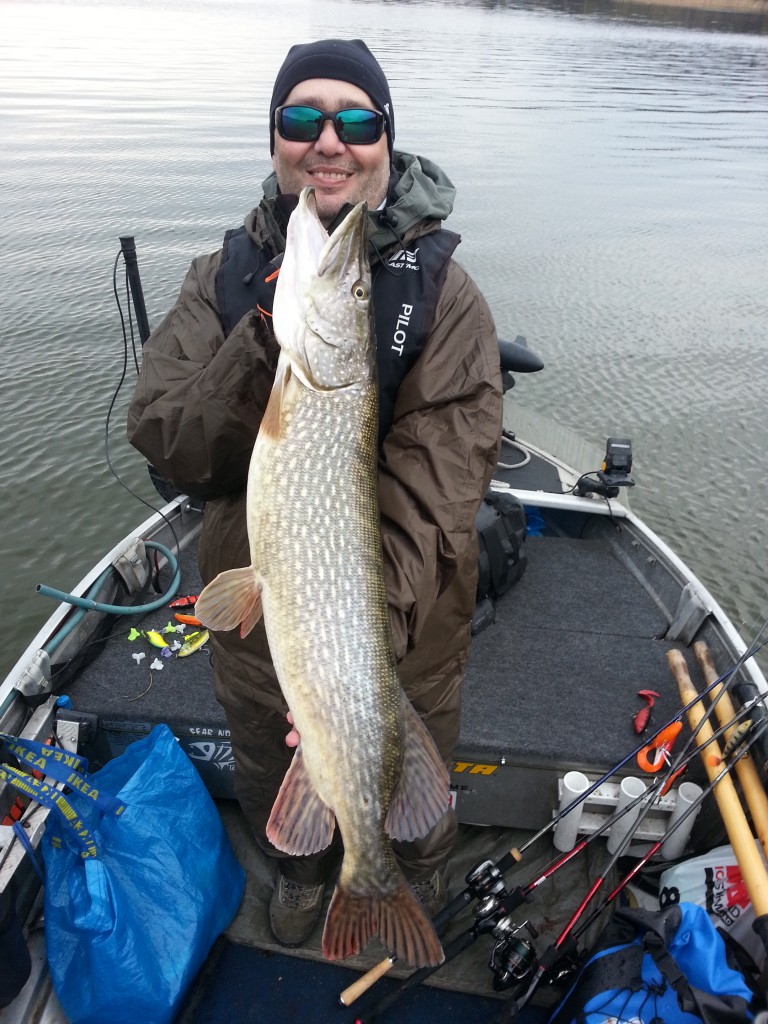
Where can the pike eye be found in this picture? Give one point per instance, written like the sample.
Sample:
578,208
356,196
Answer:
359,291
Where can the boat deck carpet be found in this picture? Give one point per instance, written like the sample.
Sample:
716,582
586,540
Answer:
553,682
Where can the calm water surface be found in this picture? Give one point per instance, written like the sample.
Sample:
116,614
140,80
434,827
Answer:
613,199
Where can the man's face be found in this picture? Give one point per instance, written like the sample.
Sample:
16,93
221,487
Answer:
339,173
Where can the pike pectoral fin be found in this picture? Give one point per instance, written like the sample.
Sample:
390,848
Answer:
300,823
232,599
398,918
421,795
270,421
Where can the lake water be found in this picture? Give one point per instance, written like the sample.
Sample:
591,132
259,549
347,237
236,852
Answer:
611,162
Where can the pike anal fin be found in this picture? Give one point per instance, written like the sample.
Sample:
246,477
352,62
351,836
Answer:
232,599
300,823
399,919
422,793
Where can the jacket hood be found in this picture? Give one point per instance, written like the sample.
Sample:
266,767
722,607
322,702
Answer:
418,191
420,196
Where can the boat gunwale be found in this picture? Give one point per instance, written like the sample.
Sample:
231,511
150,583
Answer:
588,505
173,512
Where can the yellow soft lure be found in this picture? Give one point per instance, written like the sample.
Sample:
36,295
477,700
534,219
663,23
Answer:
193,643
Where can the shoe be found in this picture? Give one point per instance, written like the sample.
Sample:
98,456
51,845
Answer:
294,910
431,893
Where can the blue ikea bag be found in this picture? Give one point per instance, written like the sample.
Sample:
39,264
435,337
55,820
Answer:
135,898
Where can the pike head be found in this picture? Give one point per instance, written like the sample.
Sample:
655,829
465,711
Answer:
322,307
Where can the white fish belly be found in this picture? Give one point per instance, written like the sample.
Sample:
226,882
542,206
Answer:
316,546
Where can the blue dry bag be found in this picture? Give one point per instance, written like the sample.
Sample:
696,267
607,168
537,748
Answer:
665,967
138,888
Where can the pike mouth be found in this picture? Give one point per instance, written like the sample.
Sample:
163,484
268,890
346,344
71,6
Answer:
317,278
311,235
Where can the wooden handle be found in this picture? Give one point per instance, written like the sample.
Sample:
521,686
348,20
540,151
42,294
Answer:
751,784
743,842
357,988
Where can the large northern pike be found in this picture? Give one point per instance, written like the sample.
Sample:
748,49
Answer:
365,759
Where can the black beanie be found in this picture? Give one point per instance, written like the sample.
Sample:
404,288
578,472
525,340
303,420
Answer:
346,60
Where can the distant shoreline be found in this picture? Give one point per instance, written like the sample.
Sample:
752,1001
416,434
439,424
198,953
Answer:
724,6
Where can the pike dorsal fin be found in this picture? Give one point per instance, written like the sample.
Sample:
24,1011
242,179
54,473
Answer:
422,792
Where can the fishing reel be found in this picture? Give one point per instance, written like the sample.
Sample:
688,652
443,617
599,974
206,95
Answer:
486,885
513,957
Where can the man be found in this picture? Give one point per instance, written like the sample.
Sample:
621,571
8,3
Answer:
205,381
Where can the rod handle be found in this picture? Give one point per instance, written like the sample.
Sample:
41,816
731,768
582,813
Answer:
751,785
361,986
750,862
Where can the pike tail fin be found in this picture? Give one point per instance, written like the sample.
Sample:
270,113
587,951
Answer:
232,599
398,918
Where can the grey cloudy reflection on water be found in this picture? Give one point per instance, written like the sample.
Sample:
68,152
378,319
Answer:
612,198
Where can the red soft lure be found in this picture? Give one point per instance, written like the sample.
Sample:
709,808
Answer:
642,717
185,602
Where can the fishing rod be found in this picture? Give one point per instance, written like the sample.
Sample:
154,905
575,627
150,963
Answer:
495,906
700,726
691,747
497,902
747,852
486,922
486,880
747,773
648,797
515,854
568,937
738,753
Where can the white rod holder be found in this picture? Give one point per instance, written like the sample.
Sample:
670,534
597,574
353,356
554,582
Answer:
674,847
630,789
566,830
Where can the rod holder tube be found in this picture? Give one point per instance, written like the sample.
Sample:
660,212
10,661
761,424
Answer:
630,789
687,794
575,784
